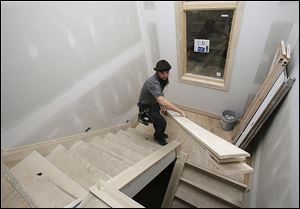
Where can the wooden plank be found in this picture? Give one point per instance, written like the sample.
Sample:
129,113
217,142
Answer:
274,72
275,101
139,168
233,167
12,156
113,197
174,180
261,94
283,49
275,88
76,168
284,89
288,51
46,185
215,144
229,160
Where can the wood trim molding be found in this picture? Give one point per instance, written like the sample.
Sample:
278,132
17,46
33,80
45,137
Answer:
183,75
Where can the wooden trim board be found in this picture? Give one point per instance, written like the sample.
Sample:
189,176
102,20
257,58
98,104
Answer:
274,102
124,178
278,65
172,186
113,197
221,148
275,88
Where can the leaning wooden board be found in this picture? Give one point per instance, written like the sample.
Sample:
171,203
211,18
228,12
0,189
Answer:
219,147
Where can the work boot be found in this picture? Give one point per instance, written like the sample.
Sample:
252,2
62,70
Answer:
165,136
161,141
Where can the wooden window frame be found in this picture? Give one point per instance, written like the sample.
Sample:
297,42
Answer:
205,81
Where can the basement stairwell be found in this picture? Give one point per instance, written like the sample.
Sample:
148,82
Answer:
107,168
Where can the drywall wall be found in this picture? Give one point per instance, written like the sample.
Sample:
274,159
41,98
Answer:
275,181
67,66
252,55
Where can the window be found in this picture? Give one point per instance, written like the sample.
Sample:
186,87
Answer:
207,34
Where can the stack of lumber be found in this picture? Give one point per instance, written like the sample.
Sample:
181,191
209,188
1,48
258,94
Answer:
270,94
219,149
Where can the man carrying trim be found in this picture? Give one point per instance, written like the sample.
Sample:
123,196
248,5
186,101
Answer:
152,99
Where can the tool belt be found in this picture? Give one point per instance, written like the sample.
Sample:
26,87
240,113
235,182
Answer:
144,110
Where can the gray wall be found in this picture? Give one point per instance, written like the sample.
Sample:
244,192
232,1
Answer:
66,66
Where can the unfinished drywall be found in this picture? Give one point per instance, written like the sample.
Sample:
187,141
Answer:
257,21
67,66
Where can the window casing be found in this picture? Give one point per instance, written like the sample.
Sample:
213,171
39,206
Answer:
216,25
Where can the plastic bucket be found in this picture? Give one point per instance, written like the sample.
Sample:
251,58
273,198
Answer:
228,120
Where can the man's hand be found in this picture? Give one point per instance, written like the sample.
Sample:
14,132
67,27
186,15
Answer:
163,112
182,114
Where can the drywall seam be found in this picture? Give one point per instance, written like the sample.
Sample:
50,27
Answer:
144,33
37,119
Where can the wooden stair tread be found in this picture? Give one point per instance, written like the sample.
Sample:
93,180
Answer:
78,169
46,184
99,158
178,203
138,140
117,145
234,191
146,136
216,175
100,143
198,198
144,147
215,193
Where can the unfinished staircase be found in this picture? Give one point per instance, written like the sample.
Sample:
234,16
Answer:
98,171
193,185
108,169
209,172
